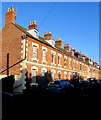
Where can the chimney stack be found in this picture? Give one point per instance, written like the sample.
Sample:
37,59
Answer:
33,25
48,35
73,49
67,47
10,15
58,42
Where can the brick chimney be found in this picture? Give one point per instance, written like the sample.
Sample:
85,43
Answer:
73,49
33,25
67,47
10,15
48,35
33,29
58,42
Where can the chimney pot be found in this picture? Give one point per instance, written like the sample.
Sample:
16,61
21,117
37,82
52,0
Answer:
73,49
67,47
58,42
48,35
48,32
12,8
33,25
10,15
58,39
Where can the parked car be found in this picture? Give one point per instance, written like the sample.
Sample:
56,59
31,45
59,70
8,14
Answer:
6,97
76,81
60,86
92,81
99,81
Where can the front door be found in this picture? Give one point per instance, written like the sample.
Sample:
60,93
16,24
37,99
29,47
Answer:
43,79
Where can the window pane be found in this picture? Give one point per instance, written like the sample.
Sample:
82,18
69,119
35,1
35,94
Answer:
58,59
59,76
44,55
65,76
52,57
52,75
35,52
34,76
64,61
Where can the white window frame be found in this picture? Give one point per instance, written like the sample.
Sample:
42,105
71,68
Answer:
32,69
65,75
44,49
76,65
59,72
59,62
69,62
44,69
54,53
69,75
65,58
37,46
52,74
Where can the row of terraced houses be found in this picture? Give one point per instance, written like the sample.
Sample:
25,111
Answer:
30,57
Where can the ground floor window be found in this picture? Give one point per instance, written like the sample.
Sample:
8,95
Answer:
69,76
34,71
65,75
52,74
59,75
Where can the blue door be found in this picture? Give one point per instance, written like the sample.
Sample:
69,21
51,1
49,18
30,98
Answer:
43,79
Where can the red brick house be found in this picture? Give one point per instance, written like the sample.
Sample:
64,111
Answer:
28,56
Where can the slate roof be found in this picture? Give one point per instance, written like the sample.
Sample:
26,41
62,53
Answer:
41,39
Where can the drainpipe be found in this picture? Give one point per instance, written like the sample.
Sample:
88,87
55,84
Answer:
8,67
7,64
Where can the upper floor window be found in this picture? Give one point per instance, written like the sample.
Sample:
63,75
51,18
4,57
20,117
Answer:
76,65
59,59
69,64
35,52
80,66
53,57
65,61
44,55
72,64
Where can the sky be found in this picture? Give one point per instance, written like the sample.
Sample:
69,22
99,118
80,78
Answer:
77,23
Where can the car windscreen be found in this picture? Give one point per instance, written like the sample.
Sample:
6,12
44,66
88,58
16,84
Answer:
55,83
65,82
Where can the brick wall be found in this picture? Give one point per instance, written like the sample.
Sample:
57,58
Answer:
11,43
39,64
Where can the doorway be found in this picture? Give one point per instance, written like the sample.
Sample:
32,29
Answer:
43,79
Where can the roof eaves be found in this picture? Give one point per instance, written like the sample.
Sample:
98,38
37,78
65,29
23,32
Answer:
24,30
